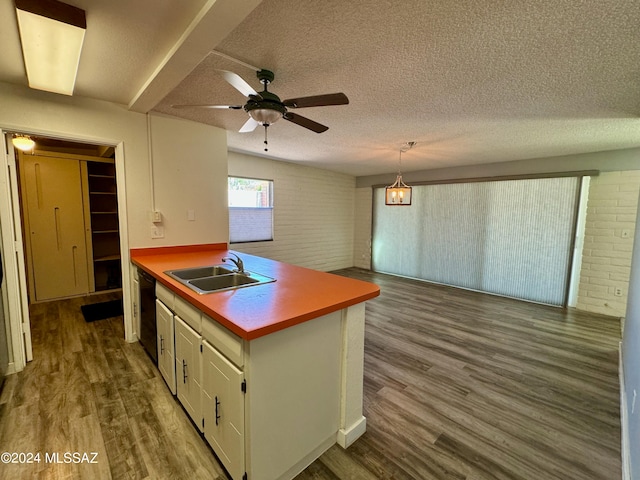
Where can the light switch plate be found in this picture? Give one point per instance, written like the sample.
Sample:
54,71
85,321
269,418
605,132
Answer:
157,231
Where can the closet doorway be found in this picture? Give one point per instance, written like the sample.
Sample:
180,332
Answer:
69,213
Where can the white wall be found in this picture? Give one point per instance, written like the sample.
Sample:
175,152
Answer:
189,173
631,368
608,242
313,213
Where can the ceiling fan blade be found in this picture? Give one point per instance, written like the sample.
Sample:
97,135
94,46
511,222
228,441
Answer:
249,126
237,82
305,122
225,107
317,101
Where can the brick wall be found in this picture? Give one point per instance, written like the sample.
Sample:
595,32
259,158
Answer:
362,233
608,242
313,213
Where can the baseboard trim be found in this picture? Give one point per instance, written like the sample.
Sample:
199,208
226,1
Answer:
624,420
347,436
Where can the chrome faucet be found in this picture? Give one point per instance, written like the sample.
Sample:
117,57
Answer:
236,261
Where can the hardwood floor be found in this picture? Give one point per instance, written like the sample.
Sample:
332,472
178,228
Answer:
87,390
463,385
458,385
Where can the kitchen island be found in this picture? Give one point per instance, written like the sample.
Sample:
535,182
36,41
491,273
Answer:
271,373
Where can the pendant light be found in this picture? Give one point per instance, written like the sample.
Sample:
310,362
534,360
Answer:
399,193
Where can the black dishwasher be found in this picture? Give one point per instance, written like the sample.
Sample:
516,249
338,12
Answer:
148,329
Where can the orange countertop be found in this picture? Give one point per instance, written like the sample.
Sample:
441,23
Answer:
298,294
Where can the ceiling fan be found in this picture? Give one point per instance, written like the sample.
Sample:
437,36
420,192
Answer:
266,108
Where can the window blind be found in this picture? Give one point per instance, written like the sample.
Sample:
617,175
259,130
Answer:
250,224
510,237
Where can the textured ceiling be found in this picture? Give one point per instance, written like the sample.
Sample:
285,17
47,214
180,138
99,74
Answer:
472,81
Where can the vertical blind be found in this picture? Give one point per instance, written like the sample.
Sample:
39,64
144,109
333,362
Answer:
510,237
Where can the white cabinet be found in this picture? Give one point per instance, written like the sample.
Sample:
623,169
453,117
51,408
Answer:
166,345
269,406
189,369
223,390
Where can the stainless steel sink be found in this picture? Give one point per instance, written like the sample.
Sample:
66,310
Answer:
199,272
216,278
208,284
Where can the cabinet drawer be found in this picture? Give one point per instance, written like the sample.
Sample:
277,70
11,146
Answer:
165,295
188,313
227,342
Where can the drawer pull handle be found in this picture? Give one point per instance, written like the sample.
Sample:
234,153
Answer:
161,345
217,410
184,371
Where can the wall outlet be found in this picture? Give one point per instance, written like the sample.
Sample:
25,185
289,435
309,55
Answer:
157,231
156,216
617,292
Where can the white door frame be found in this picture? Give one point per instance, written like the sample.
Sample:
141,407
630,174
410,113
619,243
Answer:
15,284
15,271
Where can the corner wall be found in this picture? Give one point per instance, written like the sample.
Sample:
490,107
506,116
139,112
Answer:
363,226
631,368
608,242
313,214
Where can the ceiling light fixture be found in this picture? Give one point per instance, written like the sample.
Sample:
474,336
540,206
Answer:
23,142
265,107
399,193
51,33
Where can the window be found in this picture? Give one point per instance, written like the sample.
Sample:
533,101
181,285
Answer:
250,210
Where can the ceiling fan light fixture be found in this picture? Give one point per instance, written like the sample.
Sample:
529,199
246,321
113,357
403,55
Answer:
23,142
51,35
265,116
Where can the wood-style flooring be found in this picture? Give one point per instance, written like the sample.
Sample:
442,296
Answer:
458,385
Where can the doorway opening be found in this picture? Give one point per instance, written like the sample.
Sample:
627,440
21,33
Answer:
69,213
66,195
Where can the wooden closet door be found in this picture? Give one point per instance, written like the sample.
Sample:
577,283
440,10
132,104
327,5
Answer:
56,226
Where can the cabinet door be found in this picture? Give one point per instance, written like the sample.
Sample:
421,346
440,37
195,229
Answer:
188,370
56,233
165,335
223,409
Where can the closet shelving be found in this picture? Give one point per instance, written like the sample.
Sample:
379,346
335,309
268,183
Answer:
105,235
